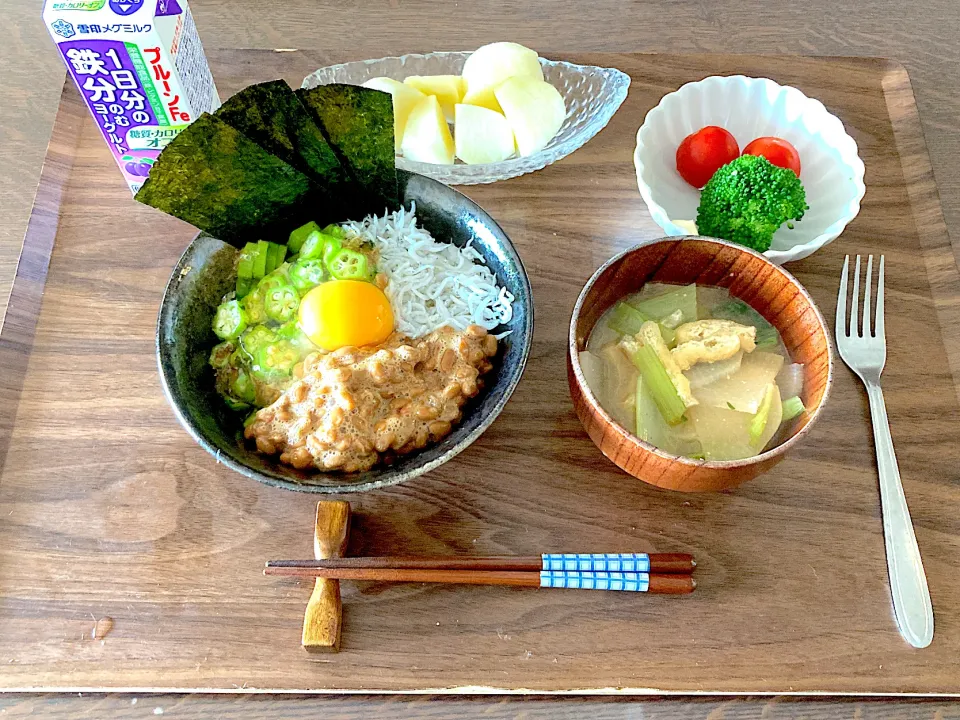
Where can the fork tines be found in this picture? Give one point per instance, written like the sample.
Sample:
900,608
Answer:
852,330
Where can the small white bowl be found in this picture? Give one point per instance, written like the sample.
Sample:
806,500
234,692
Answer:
830,169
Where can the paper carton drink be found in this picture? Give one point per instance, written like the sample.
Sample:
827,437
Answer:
140,67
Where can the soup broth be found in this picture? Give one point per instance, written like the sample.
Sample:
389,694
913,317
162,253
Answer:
694,371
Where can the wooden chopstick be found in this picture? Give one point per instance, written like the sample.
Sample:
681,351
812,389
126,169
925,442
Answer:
658,563
641,582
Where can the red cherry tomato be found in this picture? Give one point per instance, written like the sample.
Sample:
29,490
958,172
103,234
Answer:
704,152
777,150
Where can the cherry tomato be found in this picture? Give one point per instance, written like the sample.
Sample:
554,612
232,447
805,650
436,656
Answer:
777,150
704,152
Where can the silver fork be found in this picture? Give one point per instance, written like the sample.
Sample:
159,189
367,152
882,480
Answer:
866,353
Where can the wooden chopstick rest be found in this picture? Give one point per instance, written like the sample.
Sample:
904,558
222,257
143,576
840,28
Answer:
323,619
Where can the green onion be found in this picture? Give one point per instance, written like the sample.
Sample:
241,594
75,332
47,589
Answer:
655,376
758,423
298,236
669,335
684,298
626,320
792,407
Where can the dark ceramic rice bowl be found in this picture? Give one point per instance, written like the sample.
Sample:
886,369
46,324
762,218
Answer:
205,273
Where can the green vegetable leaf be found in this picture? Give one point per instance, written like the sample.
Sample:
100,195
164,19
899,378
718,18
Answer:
792,407
655,377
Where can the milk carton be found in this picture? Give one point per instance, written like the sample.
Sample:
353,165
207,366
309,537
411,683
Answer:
140,67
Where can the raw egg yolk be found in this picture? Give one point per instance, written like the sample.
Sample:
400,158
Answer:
338,313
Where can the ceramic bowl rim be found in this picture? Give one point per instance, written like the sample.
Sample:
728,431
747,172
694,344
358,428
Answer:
168,307
574,360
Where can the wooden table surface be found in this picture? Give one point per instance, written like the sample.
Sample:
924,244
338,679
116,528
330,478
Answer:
921,35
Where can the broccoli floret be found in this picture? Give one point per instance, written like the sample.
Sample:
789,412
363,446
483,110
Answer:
747,199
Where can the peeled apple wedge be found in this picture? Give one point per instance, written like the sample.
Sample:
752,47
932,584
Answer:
427,137
405,97
449,90
482,135
491,64
534,109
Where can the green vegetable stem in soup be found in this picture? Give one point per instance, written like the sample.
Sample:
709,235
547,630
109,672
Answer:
694,371
263,347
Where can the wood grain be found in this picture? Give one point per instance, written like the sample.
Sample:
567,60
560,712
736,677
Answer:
363,707
323,618
921,34
111,511
770,290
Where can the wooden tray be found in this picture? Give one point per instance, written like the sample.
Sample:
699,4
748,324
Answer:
110,510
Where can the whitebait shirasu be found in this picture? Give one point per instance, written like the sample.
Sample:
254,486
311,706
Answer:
432,284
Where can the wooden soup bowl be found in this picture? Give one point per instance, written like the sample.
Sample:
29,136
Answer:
769,289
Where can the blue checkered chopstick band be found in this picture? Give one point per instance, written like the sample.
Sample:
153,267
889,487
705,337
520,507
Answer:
597,562
629,582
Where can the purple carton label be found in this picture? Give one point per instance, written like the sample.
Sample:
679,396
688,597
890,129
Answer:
113,79
168,7
125,7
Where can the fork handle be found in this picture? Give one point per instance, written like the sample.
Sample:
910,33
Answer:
908,583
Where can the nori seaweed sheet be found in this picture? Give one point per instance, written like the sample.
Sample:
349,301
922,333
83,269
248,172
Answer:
217,179
358,123
270,114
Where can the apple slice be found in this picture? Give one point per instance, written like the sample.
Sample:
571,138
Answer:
491,64
482,135
405,97
449,90
534,109
427,137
